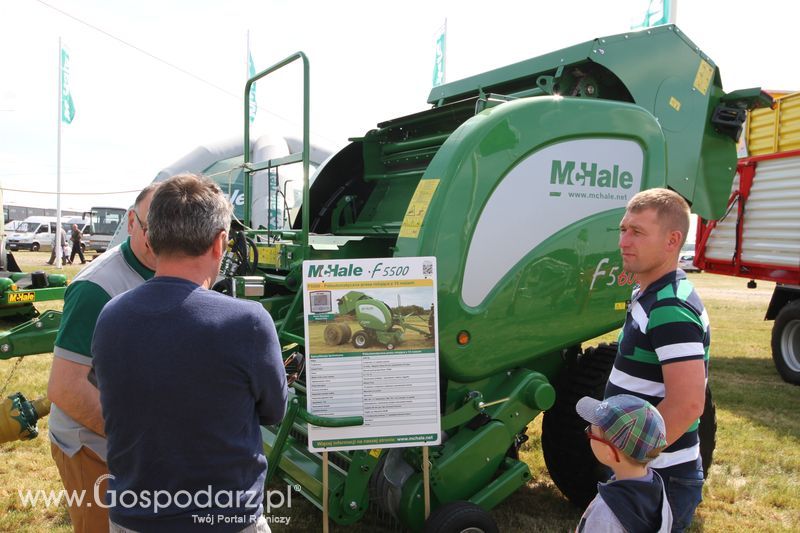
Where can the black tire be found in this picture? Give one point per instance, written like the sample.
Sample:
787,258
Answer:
379,485
360,339
458,517
786,342
35,247
224,286
708,432
83,247
567,453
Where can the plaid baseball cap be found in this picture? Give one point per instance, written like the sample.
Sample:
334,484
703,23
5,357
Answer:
631,424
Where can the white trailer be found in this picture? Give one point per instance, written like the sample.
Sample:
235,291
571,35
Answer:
759,237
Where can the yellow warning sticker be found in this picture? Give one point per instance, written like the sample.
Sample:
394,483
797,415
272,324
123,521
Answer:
269,255
674,103
620,306
703,78
375,452
415,213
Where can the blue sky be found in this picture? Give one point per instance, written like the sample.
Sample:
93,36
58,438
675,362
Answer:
370,61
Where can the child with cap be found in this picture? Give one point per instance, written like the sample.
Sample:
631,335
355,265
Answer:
625,433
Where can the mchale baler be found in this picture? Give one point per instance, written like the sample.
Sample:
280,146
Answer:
379,325
515,180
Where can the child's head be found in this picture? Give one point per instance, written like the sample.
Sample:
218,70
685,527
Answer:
625,423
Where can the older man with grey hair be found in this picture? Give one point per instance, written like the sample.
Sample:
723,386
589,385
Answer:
78,442
186,375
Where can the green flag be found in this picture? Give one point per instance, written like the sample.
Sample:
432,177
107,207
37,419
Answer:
251,71
67,105
439,60
658,12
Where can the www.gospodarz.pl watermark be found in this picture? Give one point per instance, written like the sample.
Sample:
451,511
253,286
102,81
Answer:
157,500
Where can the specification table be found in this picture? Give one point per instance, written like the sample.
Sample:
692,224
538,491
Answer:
395,393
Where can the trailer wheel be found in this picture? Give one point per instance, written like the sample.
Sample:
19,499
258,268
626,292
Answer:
360,339
567,454
460,517
786,342
35,247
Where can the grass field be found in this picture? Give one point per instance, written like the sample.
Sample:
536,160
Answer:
754,483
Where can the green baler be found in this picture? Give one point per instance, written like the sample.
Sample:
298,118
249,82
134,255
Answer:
515,180
378,323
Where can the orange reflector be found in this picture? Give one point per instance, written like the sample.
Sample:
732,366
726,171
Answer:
14,287
463,338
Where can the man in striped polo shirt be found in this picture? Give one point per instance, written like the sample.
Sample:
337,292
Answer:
663,346
77,436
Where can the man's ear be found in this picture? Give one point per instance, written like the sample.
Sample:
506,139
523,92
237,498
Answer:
220,244
675,239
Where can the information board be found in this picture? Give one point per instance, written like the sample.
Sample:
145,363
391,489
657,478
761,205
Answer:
372,351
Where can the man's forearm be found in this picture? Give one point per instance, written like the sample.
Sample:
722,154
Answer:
84,408
678,416
684,398
71,391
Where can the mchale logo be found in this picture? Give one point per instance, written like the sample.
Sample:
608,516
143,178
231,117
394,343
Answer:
334,270
563,173
236,197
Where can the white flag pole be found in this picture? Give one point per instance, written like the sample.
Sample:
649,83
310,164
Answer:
57,242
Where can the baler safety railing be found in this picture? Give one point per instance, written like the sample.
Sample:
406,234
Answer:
303,156
296,411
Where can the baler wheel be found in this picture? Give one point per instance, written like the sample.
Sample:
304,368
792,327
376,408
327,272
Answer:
333,335
567,454
360,339
460,517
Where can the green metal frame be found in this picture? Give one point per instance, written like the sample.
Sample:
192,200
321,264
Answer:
303,157
32,334
32,337
288,323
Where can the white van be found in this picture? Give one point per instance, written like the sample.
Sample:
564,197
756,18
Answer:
34,234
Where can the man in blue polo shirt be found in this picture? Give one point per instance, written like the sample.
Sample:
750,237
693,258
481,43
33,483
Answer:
663,347
186,376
